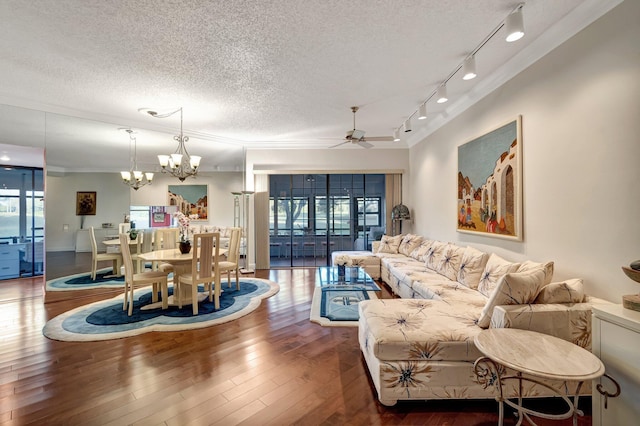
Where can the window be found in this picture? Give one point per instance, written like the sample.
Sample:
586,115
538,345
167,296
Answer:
288,215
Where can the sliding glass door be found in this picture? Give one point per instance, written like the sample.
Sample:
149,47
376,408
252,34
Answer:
313,215
21,222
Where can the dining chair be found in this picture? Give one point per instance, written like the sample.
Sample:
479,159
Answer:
96,257
232,263
165,238
204,270
144,244
140,279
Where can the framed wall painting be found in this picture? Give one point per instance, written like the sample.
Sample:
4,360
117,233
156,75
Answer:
85,203
158,217
490,183
190,200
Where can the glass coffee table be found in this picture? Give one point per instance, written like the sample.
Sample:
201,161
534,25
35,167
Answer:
340,295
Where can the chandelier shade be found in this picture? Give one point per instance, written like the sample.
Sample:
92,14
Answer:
134,177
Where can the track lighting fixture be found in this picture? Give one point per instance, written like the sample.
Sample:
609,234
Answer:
396,135
407,125
514,25
422,112
469,68
441,95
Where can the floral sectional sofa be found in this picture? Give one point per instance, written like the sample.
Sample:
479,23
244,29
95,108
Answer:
420,346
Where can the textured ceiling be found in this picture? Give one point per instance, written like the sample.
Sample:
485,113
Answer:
247,73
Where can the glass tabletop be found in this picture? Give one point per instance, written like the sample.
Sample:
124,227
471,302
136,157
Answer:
354,279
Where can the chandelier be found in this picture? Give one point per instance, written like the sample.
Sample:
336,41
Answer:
140,179
179,164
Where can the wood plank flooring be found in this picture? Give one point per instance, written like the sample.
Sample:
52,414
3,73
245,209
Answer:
271,367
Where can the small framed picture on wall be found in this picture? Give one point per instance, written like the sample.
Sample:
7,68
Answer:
86,203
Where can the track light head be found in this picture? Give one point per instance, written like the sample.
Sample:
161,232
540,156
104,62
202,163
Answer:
422,112
407,125
514,25
469,68
396,135
441,94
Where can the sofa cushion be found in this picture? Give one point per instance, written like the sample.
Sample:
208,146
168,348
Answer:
449,263
389,244
516,288
434,254
569,291
412,329
471,267
528,265
408,243
495,268
419,252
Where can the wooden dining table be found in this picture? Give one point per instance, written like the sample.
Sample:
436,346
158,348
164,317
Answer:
181,263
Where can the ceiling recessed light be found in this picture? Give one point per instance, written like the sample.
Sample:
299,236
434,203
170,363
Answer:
5,158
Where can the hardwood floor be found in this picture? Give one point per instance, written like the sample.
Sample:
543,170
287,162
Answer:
271,367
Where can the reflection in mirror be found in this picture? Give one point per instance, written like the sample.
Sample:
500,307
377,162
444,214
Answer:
84,155
145,217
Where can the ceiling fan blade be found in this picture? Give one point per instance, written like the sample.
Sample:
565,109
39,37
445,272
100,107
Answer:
364,144
380,138
341,143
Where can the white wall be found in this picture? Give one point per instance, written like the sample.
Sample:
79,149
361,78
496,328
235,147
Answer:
349,160
581,158
112,202
114,198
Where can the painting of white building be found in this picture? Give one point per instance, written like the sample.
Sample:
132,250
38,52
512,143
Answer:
190,199
490,183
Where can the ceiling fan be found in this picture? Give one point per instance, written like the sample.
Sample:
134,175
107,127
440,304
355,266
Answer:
357,137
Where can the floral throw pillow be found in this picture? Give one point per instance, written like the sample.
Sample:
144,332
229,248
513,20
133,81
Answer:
433,255
449,263
569,291
494,270
408,243
471,267
419,252
389,244
515,288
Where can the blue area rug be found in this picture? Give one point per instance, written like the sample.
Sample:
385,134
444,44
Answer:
106,319
83,281
337,308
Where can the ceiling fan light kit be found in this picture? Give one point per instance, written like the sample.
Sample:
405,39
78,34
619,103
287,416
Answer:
357,137
514,28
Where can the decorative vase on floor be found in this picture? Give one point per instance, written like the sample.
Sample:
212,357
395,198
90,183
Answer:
185,247
341,272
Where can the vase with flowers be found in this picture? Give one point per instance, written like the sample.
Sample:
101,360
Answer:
184,224
342,262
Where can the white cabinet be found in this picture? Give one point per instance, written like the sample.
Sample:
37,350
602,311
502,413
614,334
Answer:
616,341
10,260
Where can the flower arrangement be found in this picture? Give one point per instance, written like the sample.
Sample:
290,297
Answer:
184,223
343,260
